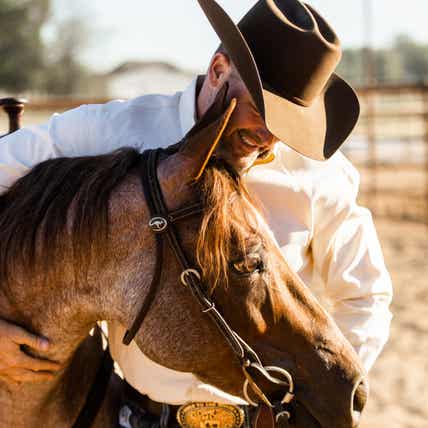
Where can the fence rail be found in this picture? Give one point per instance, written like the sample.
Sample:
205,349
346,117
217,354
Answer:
394,133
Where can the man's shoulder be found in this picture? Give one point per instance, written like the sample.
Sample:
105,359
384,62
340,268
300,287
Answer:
122,120
151,104
92,129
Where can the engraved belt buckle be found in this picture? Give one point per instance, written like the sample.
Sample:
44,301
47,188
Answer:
210,415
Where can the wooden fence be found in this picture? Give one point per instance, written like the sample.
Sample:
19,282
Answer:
390,147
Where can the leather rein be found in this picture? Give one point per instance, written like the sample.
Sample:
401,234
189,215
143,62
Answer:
162,224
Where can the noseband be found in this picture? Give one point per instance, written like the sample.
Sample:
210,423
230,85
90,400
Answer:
162,224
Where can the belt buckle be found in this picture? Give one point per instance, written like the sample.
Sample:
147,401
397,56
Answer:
210,415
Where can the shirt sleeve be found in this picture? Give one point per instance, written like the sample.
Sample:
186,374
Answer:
83,131
348,258
29,146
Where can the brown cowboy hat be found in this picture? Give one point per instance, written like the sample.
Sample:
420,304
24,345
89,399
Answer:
286,54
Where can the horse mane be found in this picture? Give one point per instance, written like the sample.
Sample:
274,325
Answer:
34,211
35,214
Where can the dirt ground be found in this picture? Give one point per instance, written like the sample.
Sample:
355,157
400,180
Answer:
399,392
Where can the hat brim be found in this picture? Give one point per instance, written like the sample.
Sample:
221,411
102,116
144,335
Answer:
315,131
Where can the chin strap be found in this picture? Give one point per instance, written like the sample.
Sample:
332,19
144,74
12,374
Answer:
221,130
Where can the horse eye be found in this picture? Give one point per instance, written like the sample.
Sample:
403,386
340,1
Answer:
252,263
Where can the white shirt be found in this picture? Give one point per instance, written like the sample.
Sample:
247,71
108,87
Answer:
310,206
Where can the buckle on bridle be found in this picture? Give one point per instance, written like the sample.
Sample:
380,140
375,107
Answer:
158,224
186,273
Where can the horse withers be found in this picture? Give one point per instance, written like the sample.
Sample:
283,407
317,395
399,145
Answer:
75,248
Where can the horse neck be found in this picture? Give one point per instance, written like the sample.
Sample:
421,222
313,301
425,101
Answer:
56,402
64,310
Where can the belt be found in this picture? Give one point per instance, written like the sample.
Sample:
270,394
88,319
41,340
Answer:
145,412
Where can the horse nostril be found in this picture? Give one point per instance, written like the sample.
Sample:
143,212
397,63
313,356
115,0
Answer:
361,393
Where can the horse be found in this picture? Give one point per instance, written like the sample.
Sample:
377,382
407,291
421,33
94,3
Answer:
76,248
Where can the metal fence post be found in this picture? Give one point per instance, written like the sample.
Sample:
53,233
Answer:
371,142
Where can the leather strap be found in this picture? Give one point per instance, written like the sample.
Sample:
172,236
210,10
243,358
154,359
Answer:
130,334
264,417
183,213
96,394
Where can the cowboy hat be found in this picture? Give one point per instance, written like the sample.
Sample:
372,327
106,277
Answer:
286,53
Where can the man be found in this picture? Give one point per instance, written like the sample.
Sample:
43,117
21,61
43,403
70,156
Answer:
278,63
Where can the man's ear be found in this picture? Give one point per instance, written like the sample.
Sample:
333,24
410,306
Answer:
219,70
201,141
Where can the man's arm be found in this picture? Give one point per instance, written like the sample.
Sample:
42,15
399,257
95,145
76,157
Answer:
78,132
348,258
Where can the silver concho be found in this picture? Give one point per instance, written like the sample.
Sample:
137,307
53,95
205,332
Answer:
158,224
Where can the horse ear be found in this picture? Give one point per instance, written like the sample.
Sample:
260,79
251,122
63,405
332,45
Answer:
201,141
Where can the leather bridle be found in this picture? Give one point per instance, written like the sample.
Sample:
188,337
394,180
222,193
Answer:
162,223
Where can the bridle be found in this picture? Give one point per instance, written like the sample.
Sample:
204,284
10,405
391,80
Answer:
162,223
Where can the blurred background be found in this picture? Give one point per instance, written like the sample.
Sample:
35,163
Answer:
59,54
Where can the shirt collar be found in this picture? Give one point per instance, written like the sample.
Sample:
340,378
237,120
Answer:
187,106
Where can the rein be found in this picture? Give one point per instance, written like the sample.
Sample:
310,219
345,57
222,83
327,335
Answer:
162,224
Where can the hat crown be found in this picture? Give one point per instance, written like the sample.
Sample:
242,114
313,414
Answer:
295,49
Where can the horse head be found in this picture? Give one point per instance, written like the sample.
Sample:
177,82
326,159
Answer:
253,287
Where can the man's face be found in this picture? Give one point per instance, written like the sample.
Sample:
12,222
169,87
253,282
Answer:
246,137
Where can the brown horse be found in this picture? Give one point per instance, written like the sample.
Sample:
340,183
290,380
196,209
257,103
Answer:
75,248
